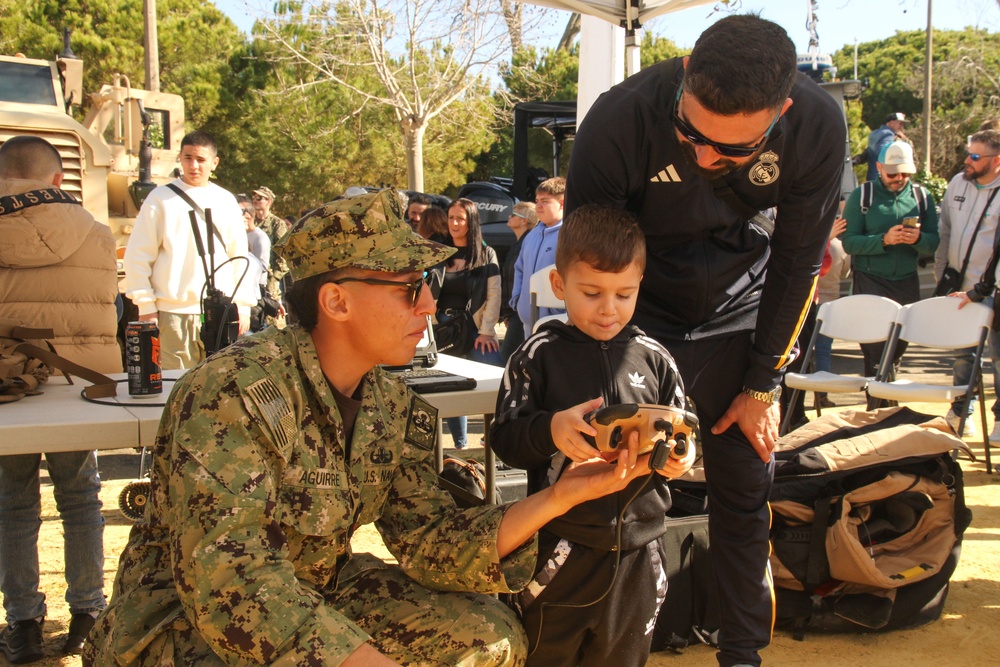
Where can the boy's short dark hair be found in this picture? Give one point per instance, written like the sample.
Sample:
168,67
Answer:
606,238
555,186
200,138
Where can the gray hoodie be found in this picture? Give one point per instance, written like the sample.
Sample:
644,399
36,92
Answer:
961,209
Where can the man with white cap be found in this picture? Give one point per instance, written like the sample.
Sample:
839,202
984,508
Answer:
891,222
889,131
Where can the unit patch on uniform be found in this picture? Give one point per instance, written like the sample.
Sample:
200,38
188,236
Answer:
421,425
766,170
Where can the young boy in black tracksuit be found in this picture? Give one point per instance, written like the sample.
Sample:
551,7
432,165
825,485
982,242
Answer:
600,577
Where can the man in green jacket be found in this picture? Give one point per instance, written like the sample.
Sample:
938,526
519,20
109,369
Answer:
891,222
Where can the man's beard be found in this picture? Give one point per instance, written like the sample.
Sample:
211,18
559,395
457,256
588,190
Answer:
975,174
723,167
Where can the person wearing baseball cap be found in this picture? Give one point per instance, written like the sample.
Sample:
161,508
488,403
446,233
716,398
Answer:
888,132
275,228
891,222
272,453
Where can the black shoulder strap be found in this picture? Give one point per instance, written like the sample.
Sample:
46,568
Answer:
867,194
14,203
975,232
921,194
197,209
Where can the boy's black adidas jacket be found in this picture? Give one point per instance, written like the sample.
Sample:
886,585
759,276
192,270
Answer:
557,368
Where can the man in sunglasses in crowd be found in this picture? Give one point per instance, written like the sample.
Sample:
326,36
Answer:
272,453
696,148
891,222
969,218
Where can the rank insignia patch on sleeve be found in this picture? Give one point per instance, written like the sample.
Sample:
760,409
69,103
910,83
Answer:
421,425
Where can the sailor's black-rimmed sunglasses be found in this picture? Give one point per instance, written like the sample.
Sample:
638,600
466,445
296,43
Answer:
414,288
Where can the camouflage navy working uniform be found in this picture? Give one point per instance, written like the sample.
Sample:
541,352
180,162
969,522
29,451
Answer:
244,554
275,228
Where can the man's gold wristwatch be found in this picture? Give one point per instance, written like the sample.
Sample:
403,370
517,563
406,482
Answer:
764,396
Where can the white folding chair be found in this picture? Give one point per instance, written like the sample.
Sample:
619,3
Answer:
860,318
939,323
541,296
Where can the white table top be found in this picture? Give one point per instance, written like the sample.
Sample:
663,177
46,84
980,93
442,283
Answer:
61,420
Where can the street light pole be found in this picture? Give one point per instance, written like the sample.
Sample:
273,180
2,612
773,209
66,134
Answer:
151,46
928,67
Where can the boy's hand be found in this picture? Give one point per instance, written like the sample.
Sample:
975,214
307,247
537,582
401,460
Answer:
567,428
675,468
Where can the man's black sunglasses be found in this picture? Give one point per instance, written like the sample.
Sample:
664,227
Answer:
976,157
414,288
699,139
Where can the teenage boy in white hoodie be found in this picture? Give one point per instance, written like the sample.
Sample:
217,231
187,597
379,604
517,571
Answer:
164,274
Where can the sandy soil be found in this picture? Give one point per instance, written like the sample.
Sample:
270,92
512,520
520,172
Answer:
965,635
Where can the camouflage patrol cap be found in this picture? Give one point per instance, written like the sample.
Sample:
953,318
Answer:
366,232
265,192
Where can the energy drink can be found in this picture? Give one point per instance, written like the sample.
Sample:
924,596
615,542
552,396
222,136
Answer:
142,353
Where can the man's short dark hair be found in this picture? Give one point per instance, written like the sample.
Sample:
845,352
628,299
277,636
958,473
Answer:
200,138
608,239
303,296
990,138
418,198
29,157
741,64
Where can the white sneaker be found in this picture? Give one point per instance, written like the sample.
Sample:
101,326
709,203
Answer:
970,424
995,433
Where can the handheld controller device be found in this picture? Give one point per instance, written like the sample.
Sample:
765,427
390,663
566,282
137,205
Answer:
663,430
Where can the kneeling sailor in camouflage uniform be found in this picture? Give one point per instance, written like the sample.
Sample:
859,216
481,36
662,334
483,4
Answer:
271,453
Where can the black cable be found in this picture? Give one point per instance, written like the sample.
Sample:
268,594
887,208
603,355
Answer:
614,577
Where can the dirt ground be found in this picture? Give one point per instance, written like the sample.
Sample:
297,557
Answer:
965,635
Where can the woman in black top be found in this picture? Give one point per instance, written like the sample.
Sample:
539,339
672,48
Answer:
470,281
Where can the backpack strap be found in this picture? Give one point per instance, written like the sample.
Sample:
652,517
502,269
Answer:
197,209
921,195
867,194
103,386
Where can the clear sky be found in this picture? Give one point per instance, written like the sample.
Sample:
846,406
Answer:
840,21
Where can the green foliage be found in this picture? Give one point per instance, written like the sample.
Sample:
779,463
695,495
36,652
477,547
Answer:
655,49
549,74
934,184
194,43
964,86
287,126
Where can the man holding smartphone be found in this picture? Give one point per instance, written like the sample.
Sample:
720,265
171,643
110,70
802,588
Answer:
891,222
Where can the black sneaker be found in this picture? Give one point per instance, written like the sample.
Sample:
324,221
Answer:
79,627
21,642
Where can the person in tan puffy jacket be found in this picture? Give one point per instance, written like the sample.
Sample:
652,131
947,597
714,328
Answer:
57,270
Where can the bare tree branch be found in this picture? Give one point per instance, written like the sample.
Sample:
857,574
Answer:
417,57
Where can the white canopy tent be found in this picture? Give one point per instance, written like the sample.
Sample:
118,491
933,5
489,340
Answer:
609,46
